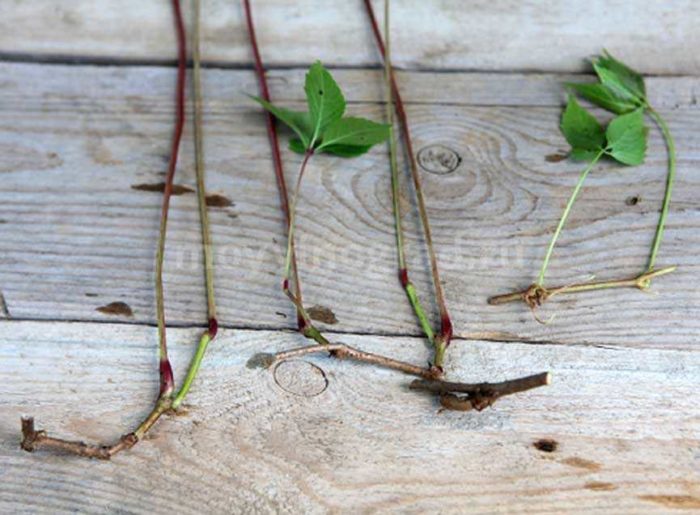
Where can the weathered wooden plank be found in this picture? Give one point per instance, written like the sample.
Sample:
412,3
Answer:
76,235
360,86
501,35
625,426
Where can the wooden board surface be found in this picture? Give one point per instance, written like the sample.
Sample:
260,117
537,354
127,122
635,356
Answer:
500,35
85,122
624,423
77,235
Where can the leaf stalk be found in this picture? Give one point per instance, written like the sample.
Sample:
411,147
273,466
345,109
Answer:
670,180
565,216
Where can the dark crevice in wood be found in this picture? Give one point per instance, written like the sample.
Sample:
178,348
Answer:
66,59
336,333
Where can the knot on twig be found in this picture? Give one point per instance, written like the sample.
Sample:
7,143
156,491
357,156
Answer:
643,282
129,440
535,295
434,371
30,435
476,401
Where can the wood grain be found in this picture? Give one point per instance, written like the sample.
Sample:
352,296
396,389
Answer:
82,147
498,35
625,426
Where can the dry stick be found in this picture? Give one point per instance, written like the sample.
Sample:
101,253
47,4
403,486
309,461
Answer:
342,351
304,322
31,438
443,338
478,395
536,295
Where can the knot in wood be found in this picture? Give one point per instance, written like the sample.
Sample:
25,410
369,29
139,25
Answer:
300,378
438,159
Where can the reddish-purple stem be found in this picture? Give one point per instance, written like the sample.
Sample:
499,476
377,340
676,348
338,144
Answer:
213,328
166,373
274,145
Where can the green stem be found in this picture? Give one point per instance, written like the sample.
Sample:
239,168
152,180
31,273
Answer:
445,334
193,370
309,330
395,195
565,215
199,162
423,319
292,214
641,281
209,335
669,186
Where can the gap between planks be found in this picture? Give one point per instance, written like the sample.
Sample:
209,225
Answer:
336,334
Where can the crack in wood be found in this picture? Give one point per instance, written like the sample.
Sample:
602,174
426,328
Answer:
4,311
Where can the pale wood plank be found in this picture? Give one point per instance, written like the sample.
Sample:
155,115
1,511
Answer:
75,235
626,424
656,37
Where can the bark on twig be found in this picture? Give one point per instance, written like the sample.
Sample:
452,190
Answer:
342,351
467,396
453,396
535,295
33,440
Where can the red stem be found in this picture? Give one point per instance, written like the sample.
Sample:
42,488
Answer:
274,145
166,374
445,335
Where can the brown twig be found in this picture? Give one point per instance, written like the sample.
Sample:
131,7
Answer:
342,351
33,440
535,295
478,395
453,396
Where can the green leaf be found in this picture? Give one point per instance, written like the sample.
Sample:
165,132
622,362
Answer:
346,150
580,128
611,82
326,102
620,79
603,97
579,154
296,145
354,132
629,78
627,138
298,121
